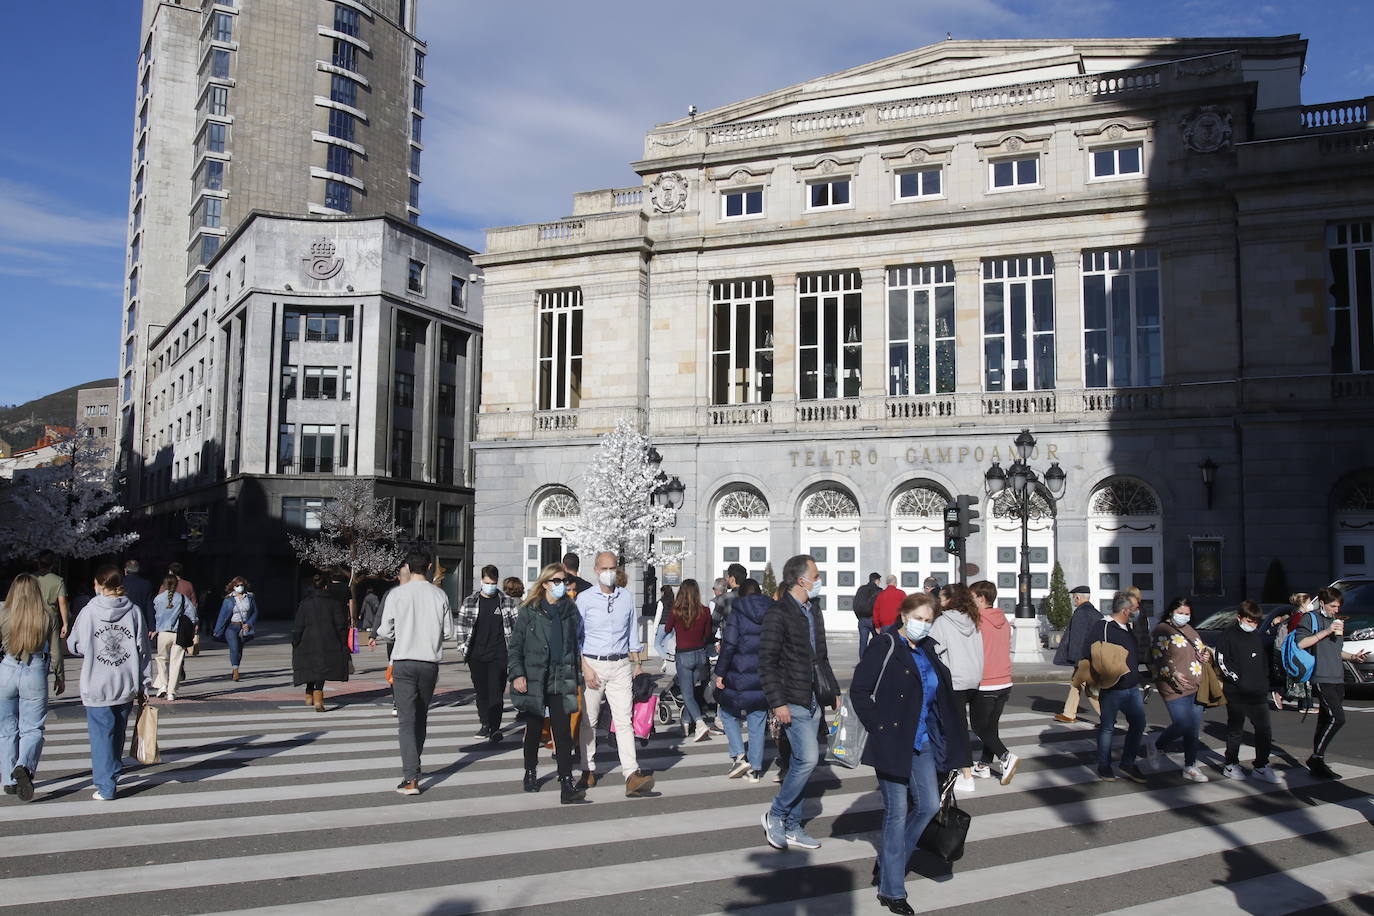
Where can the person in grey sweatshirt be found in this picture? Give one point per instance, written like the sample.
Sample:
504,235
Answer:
110,637
961,649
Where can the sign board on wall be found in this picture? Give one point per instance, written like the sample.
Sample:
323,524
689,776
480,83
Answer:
1207,581
672,566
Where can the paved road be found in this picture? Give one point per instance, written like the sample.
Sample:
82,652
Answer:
262,805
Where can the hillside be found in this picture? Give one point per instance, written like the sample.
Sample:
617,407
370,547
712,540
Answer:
22,425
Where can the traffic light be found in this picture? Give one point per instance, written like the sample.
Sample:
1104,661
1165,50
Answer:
953,545
966,515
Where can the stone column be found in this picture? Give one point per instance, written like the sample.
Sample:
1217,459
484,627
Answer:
1068,320
874,333
785,337
968,325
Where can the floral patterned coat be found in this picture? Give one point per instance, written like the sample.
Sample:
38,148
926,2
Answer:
1176,658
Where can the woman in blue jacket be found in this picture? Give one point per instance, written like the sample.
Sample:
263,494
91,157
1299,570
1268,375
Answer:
237,614
903,695
737,680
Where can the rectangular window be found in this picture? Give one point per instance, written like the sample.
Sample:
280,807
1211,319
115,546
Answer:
1022,172
286,444
1351,251
452,344
1121,318
1121,161
456,288
303,511
209,244
133,283
142,149
321,383
219,64
404,389
913,184
560,349
741,202
138,184
345,55
829,192
450,523
742,341
129,352
414,160
341,124
134,248
338,196
345,19
348,383
216,136
417,96
317,449
415,122
415,276
830,339
222,27
288,382
401,465
343,445
343,90
415,193
90,410
339,160
218,100
405,336
448,400
1018,323
444,458
210,210
320,327
920,329
419,64
408,517
212,175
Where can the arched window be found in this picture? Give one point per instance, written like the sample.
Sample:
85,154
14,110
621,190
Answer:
920,502
1353,525
1356,494
560,506
1123,496
830,503
1125,542
741,533
830,535
742,504
917,529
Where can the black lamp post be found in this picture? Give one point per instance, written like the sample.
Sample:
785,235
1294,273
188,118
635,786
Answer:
668,495
1022,481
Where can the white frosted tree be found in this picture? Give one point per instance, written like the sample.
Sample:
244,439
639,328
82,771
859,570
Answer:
618,510
357,533
68,508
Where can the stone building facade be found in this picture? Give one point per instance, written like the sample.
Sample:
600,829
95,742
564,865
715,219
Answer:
833,306
96,412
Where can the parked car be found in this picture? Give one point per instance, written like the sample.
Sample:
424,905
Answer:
1211,628
1357,610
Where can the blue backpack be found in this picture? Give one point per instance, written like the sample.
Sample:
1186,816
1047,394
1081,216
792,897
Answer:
1298,663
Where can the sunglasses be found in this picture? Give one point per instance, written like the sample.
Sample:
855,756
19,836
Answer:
558,581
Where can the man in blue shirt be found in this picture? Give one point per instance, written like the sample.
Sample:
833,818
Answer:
612,655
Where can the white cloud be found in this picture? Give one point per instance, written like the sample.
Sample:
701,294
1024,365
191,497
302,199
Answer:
31,217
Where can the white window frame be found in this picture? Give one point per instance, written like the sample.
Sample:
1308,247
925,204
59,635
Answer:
558,382
1123,270
743,194
899,174
831,181
745,374
831,288
1344,317
1011,273
1116,149
993,187
918,286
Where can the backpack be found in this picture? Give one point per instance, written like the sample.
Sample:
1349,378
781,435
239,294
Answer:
1298,663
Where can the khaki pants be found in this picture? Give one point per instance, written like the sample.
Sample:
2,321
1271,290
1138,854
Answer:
1071,704
169,656
616,680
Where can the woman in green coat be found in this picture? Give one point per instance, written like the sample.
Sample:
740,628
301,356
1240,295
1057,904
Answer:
545,671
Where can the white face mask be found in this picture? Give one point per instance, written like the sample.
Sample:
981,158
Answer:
606,577
488,588
238,589
1248,627
1180,619
917,629
557,591
815,590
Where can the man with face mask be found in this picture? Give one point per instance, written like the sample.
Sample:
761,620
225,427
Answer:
1245,681
1123,696
483,629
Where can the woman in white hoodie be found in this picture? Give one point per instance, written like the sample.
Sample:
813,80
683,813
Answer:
961,650
109,634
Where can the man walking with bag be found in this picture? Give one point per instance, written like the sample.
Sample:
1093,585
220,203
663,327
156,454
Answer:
863,608
1072,648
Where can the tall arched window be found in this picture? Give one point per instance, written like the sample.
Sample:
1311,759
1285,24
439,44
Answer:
1003,528
830,534
917,528
1126,542
741,531
555,514
1353,526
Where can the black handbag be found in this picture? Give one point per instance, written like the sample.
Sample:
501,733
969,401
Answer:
824,683
186,631
945,834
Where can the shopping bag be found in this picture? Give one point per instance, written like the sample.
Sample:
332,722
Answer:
847,736
546,738
143,747
353,640
945,834
642,717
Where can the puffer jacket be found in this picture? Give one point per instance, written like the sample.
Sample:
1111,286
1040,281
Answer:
785,654
529,657
738,664
961,648
1176,660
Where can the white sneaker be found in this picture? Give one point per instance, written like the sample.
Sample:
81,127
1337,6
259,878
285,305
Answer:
1150,745
1193,774
1266,774
1009,764
1233,771
96,796
964,785
739,768
982,771
703,733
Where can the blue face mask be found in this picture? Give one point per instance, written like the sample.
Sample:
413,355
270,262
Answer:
558,591
917,629
815,590
488,588
1180,619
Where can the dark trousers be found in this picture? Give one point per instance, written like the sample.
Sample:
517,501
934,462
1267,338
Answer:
1257,711
865,633
489,682
962,699
560,723
1330,715
985,709
314,685
412,687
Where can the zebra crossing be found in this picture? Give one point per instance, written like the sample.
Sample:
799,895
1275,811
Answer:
285,810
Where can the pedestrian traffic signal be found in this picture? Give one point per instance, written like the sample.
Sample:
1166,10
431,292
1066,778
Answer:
953,545
965,514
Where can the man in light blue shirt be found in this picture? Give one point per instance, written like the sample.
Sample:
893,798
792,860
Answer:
612,655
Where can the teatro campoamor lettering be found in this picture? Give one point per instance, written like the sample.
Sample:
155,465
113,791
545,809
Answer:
912,455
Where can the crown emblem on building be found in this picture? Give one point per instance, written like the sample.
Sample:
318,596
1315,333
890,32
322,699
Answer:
321,264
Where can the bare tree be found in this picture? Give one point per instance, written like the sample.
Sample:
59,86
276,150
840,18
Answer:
357,534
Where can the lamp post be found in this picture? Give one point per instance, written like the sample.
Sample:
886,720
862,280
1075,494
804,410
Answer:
668,495
1023,483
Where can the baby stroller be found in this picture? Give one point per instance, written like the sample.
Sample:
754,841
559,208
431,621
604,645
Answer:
646,706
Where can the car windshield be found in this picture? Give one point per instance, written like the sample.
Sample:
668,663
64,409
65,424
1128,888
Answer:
1218,620
1358,600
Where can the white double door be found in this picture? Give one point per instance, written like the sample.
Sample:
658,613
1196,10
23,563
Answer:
834,545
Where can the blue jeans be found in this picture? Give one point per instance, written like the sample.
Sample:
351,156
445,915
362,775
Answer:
23,713
865,633
106,726
1185,721
903,822
691,667
801,732
758,726
1129,701
233,636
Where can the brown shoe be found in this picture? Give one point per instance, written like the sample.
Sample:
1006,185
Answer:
638,783
234,674
310,698
1060,717
319,701
588,780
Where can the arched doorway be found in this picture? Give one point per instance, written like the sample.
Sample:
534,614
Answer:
741,534
556,513
830,534
1353,526
1004,546
1126,543
917,526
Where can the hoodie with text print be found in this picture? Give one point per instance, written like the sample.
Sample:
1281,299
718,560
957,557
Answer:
110,636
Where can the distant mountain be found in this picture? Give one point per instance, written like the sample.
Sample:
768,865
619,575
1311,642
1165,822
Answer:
22,426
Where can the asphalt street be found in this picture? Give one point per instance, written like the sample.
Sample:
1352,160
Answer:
263,805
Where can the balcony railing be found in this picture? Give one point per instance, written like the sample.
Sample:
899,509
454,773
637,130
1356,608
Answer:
328,466
1352,113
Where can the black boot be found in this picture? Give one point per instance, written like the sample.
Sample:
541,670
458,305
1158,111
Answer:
570,793
531,781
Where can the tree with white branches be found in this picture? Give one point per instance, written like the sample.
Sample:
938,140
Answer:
357,533
617,499
68,508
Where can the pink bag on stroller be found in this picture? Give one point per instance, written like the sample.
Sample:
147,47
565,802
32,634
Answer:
642,717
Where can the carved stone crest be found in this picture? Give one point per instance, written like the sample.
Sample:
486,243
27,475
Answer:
669,192
918,155
1013,144
1116,132
321,264
1206,129
828,167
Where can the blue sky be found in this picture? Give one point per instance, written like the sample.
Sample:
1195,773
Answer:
528,103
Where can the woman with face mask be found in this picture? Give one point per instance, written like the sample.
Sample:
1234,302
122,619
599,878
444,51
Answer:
1177,655
545,668
904,696
484,625
1245,679
238,612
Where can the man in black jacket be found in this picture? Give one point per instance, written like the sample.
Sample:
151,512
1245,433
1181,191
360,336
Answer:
863,609
1245,681
791,649
1072,648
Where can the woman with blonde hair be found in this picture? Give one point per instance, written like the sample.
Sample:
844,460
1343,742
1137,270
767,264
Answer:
1300,692
544,664
169,606
26,634
959,640
690,624
237,614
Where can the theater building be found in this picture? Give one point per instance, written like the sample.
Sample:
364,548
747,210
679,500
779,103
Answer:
835,305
